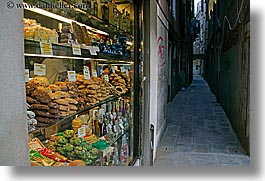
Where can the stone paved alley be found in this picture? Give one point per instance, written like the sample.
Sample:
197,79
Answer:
198,132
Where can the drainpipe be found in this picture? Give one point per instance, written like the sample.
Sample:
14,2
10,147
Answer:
152,129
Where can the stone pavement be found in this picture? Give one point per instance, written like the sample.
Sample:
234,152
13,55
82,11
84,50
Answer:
198,132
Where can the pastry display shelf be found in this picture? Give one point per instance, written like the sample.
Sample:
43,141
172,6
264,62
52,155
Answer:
65,123
75,14
32,48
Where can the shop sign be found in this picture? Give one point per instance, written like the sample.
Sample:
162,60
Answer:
46,48
39,69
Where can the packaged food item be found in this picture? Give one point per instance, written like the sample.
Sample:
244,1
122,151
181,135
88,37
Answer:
53,155
38,159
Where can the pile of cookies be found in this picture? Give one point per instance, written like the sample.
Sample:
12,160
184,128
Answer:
38,98
91,91
59,94
119,83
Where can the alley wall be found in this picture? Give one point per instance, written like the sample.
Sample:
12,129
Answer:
228,60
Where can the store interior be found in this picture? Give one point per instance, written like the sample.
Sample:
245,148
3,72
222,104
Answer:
79,79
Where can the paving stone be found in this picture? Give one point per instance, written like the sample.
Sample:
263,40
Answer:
236,150
204,156
201,149
227,159
244,160
207,163
183,148
218,149
198,132
160,163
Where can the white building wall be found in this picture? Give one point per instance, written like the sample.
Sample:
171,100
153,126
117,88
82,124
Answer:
158,72
14,149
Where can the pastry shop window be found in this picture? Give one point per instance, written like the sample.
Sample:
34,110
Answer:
79,82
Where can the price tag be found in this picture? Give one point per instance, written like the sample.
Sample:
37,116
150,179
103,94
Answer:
46,48
121,126
122,69
109,128
94,73
71,76
127,72
107,150
106,77
39,69
93,50
82,132
86,73
113,70
76,49
26,75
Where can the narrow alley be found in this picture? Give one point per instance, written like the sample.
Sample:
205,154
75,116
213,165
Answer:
198,132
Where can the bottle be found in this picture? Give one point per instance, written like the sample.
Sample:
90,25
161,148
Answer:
116,17
100,125
105,12
95,8
96,125
111,12
128,22
89,6
105,125
123,21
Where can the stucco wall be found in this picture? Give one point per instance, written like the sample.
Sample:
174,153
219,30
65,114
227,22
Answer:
228,67
158,75
13,128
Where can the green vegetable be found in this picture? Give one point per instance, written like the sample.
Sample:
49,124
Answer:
59,134
68,147
75,141
62,140
68,133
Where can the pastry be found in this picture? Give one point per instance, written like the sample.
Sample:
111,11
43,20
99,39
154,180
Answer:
54,111
54,87
55,95
43,120
71,101
40,81
46,114
39,106
72,107
53,105
30,100
64,108
63,114
62,102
